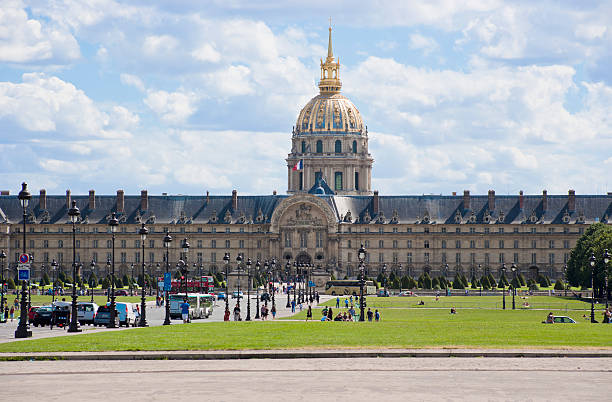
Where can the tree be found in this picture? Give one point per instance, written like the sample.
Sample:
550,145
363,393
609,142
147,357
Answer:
458,282
10,283
219,277
515,283
93,280
62,276
474,282
492,281
484,281
595,240
559,285
502,281
435,282
426,281
45,279
105,283
118,283
521,279
126,281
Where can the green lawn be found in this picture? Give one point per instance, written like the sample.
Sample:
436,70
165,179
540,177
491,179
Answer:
399,328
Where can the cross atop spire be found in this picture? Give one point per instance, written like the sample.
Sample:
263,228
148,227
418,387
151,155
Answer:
330,54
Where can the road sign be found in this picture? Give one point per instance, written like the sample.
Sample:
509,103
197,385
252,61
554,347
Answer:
24,258
23,274
167,281
311,284
23,266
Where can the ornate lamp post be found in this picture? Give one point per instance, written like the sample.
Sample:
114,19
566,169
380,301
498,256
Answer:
167,241
503,286
384,272
2,259
23,330
248,264
295,275
238,268
143,232
480,272
445,280
361,256
93,267
107,273
273,269
606,259
132,280
226,260
288,272
565,280
54,269
184,268
257,268
113,222
513,268
74,214
592,262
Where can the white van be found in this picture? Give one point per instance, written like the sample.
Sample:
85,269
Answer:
127,314
86,312
200,305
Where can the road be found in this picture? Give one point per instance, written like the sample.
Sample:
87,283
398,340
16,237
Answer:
388,379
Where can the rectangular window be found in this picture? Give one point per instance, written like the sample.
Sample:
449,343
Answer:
349,257
123,244
303,239
319,236
426,244
551,258
515,258
394,243
457,230
426,257
516,230
501,244
357,181
136,257
32,244
381,244
338,181
516,244
409,244
458,258
60,257
123,257
227,244
501,230
486,230
213,244
199,257
443,230
426,230
443,243
533,258
94,244
77,243
473,258
109,244
443,255
136,243
472,244
301,180
472,230
408,230
287,239
199,244
45,243
566,257
152,243
458,244
151,257
60,244
258,243
533,230
409,257
501,257
381,257
395,258
46,257
551,244
534,244
486,244
227,230
551,230
367,244
394,230
213,257
487,259
566,244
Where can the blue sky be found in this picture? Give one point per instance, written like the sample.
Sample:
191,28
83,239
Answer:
186,97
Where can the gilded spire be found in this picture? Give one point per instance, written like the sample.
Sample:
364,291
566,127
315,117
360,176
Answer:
330,70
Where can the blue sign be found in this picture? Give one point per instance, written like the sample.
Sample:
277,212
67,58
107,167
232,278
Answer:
311,284
167,281
23,274
24,258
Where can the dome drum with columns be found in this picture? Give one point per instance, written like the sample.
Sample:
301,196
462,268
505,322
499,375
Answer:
331,140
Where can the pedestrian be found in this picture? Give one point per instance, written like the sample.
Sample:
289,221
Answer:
309,313
330,314
226,315
337,301
300,305
377,315
237,313
184,310
370,314
16,303
12,313
293,306
317,296
346,302
263,312
273,311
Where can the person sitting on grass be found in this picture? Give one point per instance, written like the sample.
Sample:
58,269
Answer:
338,317
453,310
324,318
550,319
421,303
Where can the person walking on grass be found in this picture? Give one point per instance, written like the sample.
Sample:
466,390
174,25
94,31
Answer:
309,313
370,314
184,310
273,311
376,315
293,306
337,301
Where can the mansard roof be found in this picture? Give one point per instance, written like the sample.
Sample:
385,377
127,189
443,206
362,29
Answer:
405,209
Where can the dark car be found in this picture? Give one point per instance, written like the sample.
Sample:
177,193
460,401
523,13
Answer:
121,292
42,316
265,297
31,312
102,317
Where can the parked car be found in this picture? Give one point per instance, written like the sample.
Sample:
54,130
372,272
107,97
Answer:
406,293
86,312
102,317
42,316
127,314
220,295
561,320
265,297
237,295
382,293
121,292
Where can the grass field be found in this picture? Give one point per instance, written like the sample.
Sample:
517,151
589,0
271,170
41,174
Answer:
400,328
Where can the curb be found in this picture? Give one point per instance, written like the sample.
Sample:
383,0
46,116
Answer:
305,354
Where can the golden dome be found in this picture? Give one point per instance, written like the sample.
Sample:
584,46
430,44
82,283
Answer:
330,112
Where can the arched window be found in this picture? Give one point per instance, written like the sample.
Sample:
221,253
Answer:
354,147
303,146
338,146
319,147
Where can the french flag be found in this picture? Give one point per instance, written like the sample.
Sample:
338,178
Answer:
299,165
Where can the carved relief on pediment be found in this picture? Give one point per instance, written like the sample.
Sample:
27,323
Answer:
303,215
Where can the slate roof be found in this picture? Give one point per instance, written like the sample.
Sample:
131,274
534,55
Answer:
411,209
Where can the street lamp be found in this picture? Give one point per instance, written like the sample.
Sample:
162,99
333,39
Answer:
248,264
361,255
185,269
592,262
54,268
93,267
513,268
107,272
143,232
288,272
565,279
2,258
503,285
238,263
167,241
226,260
606,259
384,272
273,269
445,280
295,274
113,222
74,214
257,268
23,330
132,281
480,272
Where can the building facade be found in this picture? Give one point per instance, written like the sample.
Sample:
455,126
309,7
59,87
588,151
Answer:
328,213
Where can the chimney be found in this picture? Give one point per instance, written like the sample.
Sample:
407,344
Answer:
375,205
466,199
42,201
274,192
571,200
92,199
68,198
144,200
521,200
120,201
234,200
491,200
207,198
544,200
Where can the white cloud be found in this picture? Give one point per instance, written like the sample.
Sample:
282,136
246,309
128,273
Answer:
132,80
172,107
206,53
232,81
25,40
427,44
159,45
590,31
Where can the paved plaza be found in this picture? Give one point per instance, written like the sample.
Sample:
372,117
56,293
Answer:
506,379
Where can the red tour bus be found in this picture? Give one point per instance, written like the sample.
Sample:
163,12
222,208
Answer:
205,285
